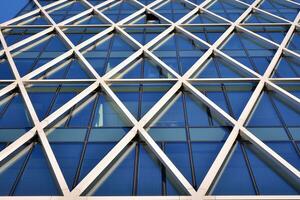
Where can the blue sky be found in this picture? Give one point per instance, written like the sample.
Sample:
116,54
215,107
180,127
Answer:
9,8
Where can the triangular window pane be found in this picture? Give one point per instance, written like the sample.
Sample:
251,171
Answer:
205,18
147,18
66,10
231,97
260,17
13,107
66,69
250,51
186,117
248,171
120,10
33,20
288,67
124,167
174,9
37,53
274,33
228,9
90,19
209,34
139,99
37,178
11,169
179,52
80,34
293,44
145,34
274,120
48,98
235,179
285,9
5,70
108,52
217,67
143,68
264,171
15,35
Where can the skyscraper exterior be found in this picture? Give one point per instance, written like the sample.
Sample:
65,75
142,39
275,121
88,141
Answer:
151,99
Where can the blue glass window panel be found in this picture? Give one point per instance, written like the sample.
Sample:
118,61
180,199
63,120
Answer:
55,44
204,153
281,8
144,68
149,99
93,155
196,111
289,112
9,175
227,9
98,64
293,45
217,67
264,173
174,10
187,63
235,178
37,178
174,116
16,110
204,18
26,65
287,151
108,115
120,11
288,67
264,114
41,102
124,171
67,155
149,173
71,69
96,2
219,99
179,155
5,71
238,101
61,99
130,100
82,117
146,2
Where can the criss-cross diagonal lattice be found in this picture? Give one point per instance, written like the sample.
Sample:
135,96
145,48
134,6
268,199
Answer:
180,80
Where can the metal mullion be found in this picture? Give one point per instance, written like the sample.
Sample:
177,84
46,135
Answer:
223,88
189,143
86,139
136,171
109,52
250,171
21,172
163,172
247,53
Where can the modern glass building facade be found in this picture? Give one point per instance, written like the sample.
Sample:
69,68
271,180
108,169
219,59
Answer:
172,99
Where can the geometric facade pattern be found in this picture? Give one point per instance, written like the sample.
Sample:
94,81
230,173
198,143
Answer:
177,99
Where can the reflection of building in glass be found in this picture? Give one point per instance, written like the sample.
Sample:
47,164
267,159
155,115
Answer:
190,98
